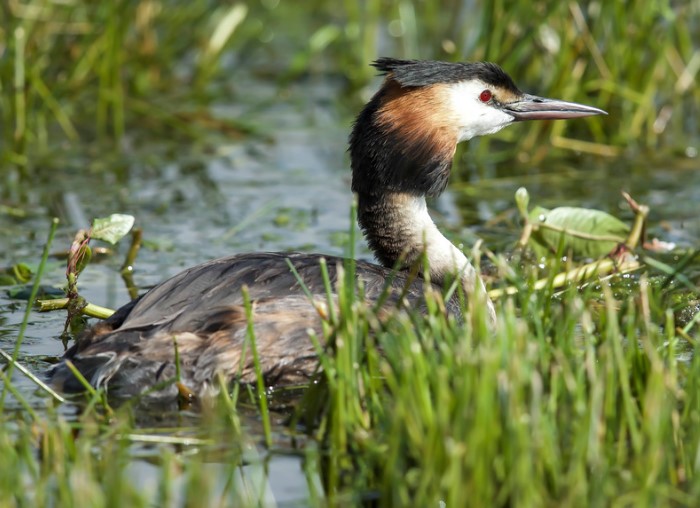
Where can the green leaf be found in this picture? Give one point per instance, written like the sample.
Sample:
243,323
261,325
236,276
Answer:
22,273
7,280
586,233
45,292
113,228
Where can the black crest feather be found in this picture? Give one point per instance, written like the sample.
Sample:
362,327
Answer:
432,72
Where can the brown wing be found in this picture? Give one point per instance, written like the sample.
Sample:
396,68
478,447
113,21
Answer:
202,310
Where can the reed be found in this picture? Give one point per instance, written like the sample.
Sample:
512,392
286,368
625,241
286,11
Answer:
75,70
583,397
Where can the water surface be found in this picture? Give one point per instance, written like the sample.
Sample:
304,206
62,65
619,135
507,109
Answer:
284,188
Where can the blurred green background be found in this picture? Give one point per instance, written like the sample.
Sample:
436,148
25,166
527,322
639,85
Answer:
81,71
222,127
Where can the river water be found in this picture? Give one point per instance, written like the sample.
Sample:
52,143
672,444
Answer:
286,187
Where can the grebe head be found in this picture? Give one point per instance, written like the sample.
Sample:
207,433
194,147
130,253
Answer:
405,138
403,143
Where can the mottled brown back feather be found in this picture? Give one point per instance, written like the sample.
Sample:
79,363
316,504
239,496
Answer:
202,310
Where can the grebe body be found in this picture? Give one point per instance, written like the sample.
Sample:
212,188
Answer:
203,309
401,150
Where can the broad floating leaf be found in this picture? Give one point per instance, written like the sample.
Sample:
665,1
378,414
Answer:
113,228
586,233
45,292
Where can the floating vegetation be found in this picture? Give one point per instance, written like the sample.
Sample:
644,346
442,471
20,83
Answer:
588,394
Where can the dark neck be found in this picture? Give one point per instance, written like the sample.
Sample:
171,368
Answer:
385,221
395,164
400,232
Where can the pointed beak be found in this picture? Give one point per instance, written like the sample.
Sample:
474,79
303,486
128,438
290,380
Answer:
531,107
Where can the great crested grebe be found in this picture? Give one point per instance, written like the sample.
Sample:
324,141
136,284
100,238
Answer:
401,149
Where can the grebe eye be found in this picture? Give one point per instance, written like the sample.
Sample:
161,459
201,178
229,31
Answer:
485,96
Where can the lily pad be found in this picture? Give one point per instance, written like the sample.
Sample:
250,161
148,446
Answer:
586,233
113,228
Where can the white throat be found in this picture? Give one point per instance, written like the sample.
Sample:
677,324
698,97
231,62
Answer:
444,258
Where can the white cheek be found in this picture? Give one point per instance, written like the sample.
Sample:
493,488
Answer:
474,117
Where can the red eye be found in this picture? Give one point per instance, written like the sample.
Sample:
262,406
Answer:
485,96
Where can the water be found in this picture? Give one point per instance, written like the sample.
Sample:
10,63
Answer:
287,189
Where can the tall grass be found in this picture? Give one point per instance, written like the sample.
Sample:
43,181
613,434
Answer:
579,398
584,403
85,71
639,64
79,70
